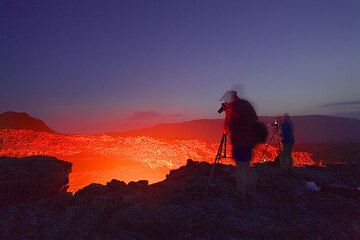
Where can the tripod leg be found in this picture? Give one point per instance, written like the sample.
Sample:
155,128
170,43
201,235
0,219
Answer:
225,140
217,158
267,146
279,150
221,156
216,161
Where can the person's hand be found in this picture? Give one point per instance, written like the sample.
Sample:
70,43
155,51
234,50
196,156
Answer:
226,131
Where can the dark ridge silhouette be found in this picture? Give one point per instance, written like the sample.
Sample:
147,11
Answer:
332,152
355,114
325,129
308,129
284,206
21,120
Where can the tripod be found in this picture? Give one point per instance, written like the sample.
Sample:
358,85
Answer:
221,153
265,176
277,133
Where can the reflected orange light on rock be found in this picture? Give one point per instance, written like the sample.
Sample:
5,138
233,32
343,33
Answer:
100,158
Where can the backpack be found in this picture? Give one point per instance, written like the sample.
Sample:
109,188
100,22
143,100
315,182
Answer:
261,132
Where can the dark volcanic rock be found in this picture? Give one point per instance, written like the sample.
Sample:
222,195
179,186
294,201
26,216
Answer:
142,184
172,209
116,185
15,120
91,190
31,178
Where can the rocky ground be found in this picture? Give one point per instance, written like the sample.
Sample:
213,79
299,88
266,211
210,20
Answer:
283,207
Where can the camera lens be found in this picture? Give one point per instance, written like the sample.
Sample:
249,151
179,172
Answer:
222,108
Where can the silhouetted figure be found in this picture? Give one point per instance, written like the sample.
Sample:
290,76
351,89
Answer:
287,141
240,125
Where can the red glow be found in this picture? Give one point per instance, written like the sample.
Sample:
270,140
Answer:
100,158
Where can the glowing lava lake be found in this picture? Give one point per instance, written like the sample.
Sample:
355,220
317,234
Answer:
100,158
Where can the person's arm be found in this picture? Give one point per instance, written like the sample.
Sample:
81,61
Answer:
226,129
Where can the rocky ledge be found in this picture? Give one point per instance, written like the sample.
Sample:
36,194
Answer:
31,178
285,206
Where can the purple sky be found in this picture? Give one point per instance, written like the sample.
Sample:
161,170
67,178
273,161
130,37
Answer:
90,66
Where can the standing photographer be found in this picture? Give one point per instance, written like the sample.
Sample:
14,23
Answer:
287,141
240,125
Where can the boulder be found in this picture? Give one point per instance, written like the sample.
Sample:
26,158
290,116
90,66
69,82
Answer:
89,192
31,178
139,185
116,185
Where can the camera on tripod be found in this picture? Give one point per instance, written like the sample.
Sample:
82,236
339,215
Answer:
275,125
222,108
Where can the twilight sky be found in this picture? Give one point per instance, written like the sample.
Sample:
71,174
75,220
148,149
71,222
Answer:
92,66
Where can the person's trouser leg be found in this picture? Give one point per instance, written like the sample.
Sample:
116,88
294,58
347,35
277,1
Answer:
291,162
242,176
283,158
286,161
252,179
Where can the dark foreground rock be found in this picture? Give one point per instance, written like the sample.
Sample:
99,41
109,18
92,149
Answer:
32,178
283,208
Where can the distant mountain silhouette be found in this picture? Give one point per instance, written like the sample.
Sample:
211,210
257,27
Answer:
209,130
355,115
309,129
15,120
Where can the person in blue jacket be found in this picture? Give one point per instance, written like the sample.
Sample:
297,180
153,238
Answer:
287,141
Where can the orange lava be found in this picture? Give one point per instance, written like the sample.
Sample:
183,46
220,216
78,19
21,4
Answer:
100,158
